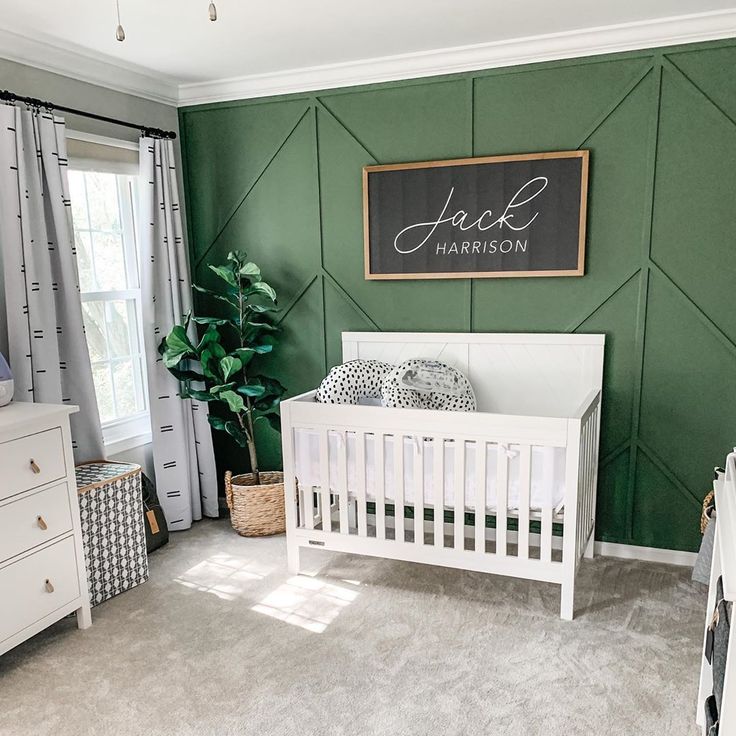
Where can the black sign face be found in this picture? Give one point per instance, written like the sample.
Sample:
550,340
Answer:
518,215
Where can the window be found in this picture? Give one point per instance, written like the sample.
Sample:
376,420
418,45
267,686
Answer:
103,214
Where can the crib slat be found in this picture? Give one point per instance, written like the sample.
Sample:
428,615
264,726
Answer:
545,551
438,473
399,487
459,510
324,480
419,491
480,496
525,479
502,499
360,477
342,473
308,507
379,482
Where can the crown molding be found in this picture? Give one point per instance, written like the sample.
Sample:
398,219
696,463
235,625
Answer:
86,66
567,45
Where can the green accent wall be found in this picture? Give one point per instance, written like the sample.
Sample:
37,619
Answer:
281,177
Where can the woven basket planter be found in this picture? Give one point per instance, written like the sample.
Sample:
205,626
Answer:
256,510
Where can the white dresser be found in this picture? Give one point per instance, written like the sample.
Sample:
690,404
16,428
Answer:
42,572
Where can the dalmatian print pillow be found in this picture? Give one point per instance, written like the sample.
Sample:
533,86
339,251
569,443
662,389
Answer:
427,384
352,381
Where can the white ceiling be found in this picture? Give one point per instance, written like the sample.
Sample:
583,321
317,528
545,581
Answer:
173,40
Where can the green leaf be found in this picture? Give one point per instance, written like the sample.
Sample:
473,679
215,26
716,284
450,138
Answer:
216,422
261,308
251,390
185,374
271,385
234,401
250,271
268,403
215,295
236,432
222,387
237,256
263,326
229,365
273,419
198,395
211,336
245,354
226,273
177,346
210,359
216,321
261,287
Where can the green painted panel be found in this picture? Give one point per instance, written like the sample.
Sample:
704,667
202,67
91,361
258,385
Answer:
613,484
663,516
398,305
548,109
419,122
226,150
688,389
712,71
616,318
279,217
695,200
341,315
669,371
616,219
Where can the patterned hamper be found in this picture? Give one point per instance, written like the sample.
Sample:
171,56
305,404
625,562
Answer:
113,532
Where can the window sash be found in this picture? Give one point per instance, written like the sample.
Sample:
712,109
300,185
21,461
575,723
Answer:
121,426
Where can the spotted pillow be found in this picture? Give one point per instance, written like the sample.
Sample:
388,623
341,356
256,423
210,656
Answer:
427,384
352,381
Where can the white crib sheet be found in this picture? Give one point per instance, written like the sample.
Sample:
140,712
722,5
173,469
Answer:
547,471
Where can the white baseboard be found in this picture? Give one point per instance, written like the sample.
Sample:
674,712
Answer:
604,549
647,554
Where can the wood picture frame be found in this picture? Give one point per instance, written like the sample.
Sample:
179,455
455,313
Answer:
577,176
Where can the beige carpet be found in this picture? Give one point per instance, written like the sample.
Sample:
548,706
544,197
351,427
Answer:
222,641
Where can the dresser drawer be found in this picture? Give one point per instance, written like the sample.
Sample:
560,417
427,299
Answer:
33,520
31,461
37,586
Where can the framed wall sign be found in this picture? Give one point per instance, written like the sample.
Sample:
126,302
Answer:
496,216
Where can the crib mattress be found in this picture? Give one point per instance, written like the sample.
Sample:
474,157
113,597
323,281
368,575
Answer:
547,470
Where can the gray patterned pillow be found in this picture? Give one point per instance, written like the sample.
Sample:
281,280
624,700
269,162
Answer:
427,384
352,381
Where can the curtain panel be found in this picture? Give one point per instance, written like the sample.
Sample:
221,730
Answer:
186,478
47,345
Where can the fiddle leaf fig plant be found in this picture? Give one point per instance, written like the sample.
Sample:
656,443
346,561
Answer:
221,359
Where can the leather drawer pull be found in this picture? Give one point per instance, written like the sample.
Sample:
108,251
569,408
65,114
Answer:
49,586
34,467
42,523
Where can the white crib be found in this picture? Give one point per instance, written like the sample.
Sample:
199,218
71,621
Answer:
538,396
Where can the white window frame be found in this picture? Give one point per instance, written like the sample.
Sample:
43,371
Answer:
123,434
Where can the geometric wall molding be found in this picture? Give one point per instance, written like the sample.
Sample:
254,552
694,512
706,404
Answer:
659,281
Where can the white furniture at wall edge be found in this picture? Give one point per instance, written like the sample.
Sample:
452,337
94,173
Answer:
533,390
723,565
42,571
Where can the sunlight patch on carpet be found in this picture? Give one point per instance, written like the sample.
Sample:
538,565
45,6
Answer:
307,602
226,576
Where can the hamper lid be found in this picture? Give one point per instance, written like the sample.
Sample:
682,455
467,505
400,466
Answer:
90,475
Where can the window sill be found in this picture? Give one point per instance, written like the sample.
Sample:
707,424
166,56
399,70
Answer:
115,447
127,434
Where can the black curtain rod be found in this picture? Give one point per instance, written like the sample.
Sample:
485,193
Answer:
34,102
